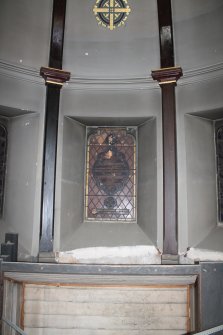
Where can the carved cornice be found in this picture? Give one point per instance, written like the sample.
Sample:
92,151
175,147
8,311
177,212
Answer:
54,76
168,75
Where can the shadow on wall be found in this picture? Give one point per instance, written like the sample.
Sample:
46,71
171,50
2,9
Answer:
205,234
74,232
20,180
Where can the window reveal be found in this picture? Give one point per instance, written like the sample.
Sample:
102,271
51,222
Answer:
219,154
3,153
110,190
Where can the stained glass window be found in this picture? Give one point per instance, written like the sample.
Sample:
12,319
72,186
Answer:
110,187
3,152
219,153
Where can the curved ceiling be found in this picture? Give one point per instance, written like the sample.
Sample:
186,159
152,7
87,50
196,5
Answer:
198,27
25,31
131,51
96,52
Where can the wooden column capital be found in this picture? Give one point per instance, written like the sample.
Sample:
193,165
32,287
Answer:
54,76
168,75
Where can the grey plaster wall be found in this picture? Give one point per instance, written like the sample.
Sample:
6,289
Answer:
19,97
25,31
94,51
22,92
116,103
213,241
21,192
72,192
116,107
89,110
201,178
201,97
147,179
74,231
198,24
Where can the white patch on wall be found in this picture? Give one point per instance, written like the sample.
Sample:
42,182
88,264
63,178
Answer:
204,255
140,254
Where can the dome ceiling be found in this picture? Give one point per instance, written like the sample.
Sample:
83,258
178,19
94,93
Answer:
198,27
25,32
95,52
132,51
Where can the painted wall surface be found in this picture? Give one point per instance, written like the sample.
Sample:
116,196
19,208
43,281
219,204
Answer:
72,193
201,178
147,179
21,214
92,51
25,31
204,99
199,25
122,59
74,232
115,108
21,93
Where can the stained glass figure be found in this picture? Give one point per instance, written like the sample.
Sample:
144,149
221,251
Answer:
110,191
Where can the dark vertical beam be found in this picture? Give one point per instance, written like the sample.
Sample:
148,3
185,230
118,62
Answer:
167,77
1,294
169,170
57,34
49,168
165,33
54,78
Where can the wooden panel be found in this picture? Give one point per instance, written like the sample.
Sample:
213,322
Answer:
145,322
120,280
115,295
83,310
53,331
7,306
12,310
92,309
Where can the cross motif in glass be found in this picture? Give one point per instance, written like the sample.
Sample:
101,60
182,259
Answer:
111,13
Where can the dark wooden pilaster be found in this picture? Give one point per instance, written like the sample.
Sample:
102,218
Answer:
170,245
167,77
165,33
1,294
57,34
54,79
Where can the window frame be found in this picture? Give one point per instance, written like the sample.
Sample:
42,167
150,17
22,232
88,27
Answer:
86,218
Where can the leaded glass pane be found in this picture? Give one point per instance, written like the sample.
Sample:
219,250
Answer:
110,191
